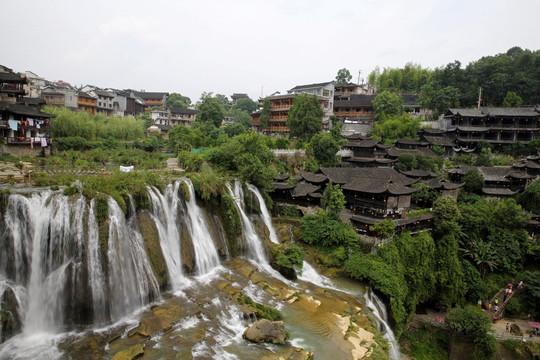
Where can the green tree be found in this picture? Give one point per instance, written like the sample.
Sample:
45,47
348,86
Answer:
512,100
266,110
387,104
211,112
333,201
282,143
384,229
530,197
438,99
448,272
476,324
177,100
425,196
343,77
324,148
246,156
305,117
474,181
246,104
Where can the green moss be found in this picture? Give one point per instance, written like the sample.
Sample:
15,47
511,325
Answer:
262,311
230,218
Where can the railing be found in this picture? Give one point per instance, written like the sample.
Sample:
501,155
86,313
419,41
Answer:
24,141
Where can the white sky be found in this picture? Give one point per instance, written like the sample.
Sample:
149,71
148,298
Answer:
251,46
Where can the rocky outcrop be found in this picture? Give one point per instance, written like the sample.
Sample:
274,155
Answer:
266,331
133,352
187,250
152,246
9,316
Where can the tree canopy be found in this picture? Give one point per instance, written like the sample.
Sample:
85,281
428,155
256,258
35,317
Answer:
305,117
177,100
211,112
387,104
343,77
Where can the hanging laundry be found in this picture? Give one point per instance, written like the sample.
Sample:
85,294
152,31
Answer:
43,142
37,126
13,125
30,122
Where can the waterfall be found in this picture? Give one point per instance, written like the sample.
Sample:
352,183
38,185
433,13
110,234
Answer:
379,311
165,214
265,215
131,279
254,244
206,255
95,271
309,274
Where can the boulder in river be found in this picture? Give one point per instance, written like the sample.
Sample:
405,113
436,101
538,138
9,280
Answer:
266,331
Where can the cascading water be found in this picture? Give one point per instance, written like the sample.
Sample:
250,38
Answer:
96,277
165,214
254,244
379,311
131,280
309,274
265,215
206,255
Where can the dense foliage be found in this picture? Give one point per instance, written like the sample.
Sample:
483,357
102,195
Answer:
305,117
81,124
476,324
246,156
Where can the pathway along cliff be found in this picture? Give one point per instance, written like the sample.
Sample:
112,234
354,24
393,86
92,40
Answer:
82,279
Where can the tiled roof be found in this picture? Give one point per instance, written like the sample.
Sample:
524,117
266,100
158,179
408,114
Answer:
346,175
8,77
25,110
519,111
150,95
282,186
179,110
439,140
395,152
281,177
310,86
419,173
356,100
312,177
499,191
411,142
377,186
466,112
304,189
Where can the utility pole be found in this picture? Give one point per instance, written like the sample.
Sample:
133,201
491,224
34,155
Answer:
479,97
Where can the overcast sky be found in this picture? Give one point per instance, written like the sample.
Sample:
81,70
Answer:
251,46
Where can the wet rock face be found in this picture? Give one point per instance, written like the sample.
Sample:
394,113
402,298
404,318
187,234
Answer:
9,317
152,246
266,331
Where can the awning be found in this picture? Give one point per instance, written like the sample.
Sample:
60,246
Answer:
534,324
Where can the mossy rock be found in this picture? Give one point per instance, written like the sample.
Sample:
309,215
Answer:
187,251
152,246
129,354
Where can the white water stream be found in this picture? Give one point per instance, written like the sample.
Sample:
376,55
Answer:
165,209
265,215
206,255
379,311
